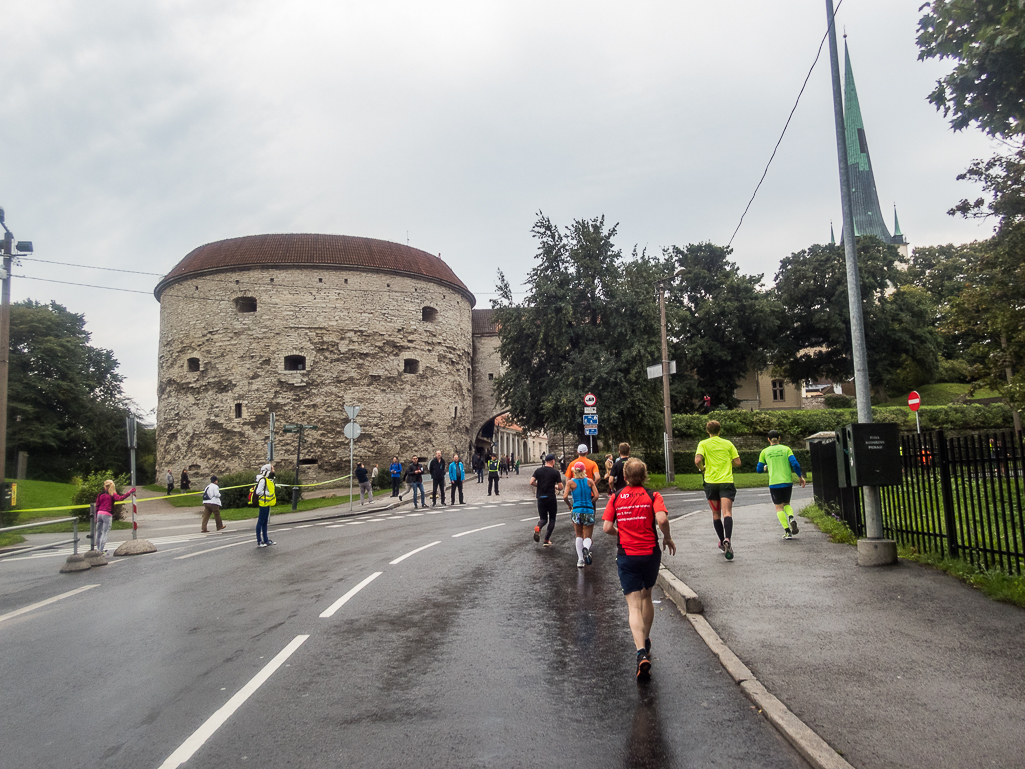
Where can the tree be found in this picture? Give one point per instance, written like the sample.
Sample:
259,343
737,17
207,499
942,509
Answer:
815,339
588,324
66,404
723,327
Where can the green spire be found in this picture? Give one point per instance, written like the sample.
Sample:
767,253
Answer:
832,237
896,224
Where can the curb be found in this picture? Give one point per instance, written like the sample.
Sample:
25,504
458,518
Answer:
815,750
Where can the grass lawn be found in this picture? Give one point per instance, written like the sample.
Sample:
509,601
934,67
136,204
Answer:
695,482
940,394
34,494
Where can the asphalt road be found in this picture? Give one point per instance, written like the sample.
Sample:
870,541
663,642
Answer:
480,650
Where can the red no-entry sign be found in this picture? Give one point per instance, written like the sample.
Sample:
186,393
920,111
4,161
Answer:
590,399
914,400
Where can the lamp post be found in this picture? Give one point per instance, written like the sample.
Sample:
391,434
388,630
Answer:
10,249
666,410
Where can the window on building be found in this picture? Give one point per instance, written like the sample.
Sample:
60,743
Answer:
245,304
490,377
456,414
193,364
469,375
410,366
238,411
779,393
295,363
308,461
429,314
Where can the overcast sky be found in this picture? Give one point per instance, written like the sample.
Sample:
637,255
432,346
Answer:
134,132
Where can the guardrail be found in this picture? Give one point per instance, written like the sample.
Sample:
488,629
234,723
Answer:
36,525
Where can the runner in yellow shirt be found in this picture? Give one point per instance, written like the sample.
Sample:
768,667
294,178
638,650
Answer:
715,458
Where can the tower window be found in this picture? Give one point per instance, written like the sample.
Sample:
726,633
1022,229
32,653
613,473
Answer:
456,414
410,366
469,375
238,411
193,364
245,304
490,377
295,363
779,394
430,314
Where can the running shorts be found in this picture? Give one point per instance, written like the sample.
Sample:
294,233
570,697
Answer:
781,494
638,572
716,491
583,516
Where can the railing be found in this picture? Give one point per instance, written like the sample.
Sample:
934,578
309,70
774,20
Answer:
36,525
961,497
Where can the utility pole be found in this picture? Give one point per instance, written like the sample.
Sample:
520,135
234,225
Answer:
9,248
873,510
666,411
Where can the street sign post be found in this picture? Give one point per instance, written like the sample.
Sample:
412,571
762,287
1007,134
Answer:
590,431
590,399
655,372
590,409
914,403
352,431
591,419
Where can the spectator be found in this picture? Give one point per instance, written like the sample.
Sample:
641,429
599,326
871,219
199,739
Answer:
373,474
415,481
185,483
478,467
365,487
105,511
395,468
169,480
437,470
266,497
456,474
212,505
492,473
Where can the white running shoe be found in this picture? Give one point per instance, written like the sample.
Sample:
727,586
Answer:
581,564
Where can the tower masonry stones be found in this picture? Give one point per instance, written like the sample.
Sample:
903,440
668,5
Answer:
303,325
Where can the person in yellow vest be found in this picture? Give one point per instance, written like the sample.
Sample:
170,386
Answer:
267,497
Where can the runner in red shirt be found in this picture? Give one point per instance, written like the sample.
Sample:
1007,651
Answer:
631,515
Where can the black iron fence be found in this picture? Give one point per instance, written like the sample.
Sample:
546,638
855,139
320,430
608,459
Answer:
962,497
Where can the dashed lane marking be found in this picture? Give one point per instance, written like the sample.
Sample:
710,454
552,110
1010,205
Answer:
474,531
401,558
414,515
212,724
531,518
210,550
330,610
47,602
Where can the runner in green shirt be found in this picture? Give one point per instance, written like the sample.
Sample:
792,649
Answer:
779,462
716,458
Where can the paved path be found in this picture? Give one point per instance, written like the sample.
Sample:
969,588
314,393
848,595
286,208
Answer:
898,666
433,638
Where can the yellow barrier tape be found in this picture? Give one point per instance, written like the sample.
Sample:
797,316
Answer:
174,496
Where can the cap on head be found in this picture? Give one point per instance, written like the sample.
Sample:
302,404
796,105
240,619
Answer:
549,457
580,466
582,448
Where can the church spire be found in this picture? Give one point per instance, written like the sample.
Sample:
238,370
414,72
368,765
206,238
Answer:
868,217
832,237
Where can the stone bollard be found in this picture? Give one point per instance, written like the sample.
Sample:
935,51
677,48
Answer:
95,558
75,562
135,547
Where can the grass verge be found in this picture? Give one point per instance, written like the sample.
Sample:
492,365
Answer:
33,494
695,482
995,584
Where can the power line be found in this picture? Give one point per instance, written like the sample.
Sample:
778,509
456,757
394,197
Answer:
780,141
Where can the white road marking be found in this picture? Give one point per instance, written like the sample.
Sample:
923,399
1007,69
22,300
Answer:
337,525
471,508
474,531
212,724
47,602
330,610
413,515
437,512
210,550
686,515
355,523
305,526
531,518
277,529
401,558
324,523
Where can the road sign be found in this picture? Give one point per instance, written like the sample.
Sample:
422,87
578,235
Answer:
590,419
290,429
590,409
590,399
352,411
310,427
914,401
654,372
591,430
352,431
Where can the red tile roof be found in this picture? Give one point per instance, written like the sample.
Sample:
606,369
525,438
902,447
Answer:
309,250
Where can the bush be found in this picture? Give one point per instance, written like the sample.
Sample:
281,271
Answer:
835,401
239,497
683,461
90,487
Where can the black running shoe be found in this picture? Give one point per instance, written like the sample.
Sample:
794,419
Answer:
793,525
643,666
587,556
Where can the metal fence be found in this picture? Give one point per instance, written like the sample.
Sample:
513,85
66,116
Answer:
962,497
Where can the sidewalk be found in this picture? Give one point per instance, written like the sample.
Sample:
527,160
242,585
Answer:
897,666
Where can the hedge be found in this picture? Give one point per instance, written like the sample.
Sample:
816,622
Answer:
235,498
683,461
794,426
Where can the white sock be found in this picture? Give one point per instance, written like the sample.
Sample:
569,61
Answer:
580,548
588,543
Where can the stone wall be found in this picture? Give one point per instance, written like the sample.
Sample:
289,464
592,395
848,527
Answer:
487,365
356,329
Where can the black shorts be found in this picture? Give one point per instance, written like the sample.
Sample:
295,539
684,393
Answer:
547,506
781,494
638,572
717,491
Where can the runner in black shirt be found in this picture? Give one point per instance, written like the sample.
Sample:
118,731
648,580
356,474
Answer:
616,480
548,480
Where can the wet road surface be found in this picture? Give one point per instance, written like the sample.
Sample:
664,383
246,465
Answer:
483,650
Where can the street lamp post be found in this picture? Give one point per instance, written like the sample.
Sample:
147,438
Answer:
667,412
10,250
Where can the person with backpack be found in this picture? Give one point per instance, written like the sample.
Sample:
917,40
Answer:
365,487
395,469
631,516
105,511
212,505
456,474
266,498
